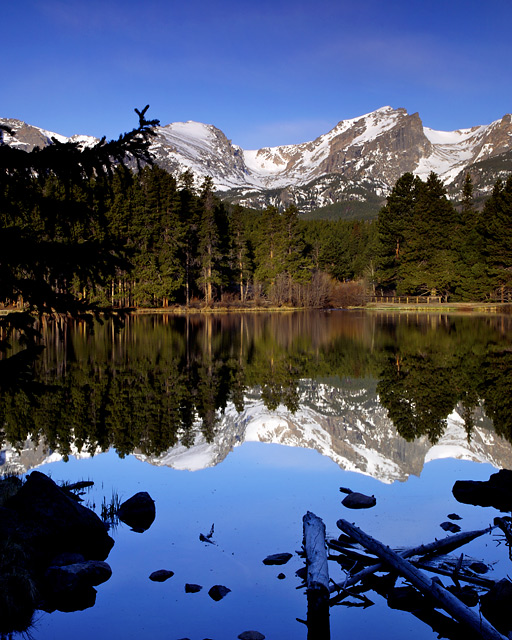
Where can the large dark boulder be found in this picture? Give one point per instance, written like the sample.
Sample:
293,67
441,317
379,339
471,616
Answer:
138,512
70,577
495,492
50,522
51,550
355,500
496,604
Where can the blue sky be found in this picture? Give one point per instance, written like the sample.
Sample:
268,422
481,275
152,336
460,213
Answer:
267,73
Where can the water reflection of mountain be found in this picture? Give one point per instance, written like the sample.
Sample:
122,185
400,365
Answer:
346,424
165,381
351,428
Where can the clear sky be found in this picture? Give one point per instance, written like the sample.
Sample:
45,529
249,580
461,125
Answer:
266,73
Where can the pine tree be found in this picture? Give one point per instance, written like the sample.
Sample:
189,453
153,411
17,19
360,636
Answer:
496,228
54,236
393,222
240,253
269,248
209,250
472,281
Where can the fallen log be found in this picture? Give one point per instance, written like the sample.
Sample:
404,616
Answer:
444,545
317,579
433,588
476,580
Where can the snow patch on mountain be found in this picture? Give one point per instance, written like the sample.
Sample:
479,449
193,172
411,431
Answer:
360,158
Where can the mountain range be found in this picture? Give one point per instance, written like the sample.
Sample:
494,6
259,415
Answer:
352,167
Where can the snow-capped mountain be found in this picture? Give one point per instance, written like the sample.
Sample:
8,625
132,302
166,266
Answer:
359,159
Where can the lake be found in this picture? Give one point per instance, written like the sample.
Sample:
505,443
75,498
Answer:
246,422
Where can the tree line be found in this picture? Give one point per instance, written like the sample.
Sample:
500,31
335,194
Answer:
84,229
428,246
184,245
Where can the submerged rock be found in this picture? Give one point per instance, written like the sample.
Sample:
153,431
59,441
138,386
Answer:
218,591
251,635
357,500
495,606
161,575
138,512
277,558
450,526
192,588
59,579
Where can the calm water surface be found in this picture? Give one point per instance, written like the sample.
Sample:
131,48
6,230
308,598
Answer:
247,422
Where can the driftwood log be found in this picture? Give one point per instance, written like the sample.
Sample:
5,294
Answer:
444,545
433,587
317,580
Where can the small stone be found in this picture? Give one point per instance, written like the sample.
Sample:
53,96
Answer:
449,526
479,567
454,516
277,558
161,575
281,576
356,500
218,591
251,635
192,588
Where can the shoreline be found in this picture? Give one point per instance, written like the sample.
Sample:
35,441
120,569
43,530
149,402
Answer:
447,307
501,308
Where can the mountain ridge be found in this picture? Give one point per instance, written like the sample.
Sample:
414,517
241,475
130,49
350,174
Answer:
357,160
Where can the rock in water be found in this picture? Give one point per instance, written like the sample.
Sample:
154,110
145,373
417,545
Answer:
192,588
161,575
450,526
77,576
138,512
277,558
251,635
495,605
49,522
495,492
218,591
356,500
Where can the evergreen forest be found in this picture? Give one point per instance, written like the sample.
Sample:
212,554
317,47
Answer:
107,228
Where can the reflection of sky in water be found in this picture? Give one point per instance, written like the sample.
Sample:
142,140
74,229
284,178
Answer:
256,498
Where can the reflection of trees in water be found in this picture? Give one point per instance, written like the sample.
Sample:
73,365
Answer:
160,379
426,372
